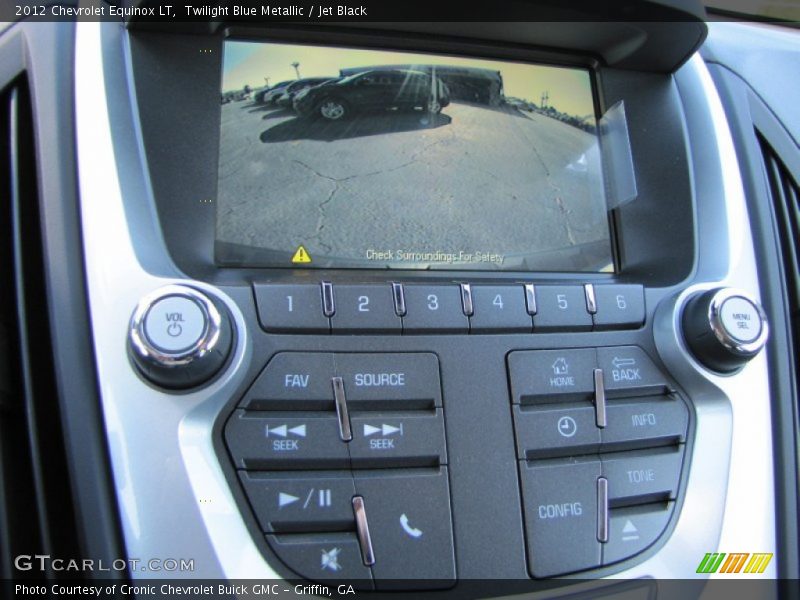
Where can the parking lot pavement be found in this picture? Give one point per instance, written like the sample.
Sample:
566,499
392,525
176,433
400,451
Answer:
476,179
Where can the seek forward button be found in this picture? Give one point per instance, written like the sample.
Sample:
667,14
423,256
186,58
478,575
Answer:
413,439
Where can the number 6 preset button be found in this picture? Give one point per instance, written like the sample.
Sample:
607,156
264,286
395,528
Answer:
434,309
364,308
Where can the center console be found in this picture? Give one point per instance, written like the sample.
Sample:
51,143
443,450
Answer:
454,335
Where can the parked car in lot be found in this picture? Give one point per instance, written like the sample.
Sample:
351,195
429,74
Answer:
371,91
271,94
290,91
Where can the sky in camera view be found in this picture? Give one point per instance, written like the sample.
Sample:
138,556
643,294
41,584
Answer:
250,63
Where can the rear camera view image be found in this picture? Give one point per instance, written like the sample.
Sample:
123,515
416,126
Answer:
345,158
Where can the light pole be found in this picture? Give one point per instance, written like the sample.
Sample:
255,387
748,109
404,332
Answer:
296,69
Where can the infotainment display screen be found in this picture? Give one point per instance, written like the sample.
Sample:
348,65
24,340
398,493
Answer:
335,157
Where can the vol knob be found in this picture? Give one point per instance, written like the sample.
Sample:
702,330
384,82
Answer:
179,337
724,328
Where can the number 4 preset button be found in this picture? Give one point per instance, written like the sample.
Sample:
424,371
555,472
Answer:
499,309
434,309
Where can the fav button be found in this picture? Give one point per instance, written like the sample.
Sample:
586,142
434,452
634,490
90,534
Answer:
560,500
293,381
411,528
539,376
175,323
308,501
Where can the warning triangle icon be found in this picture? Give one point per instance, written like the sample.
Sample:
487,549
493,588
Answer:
301,256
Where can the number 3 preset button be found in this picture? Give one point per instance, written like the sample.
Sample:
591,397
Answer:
434,309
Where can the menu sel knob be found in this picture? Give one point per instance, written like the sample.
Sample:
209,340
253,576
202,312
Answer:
179,337
724,328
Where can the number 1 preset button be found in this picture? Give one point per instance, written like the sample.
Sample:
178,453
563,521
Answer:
291,308
434,309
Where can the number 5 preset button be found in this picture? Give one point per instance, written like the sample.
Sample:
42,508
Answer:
434,309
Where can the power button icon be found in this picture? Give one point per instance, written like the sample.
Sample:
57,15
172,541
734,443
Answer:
175,323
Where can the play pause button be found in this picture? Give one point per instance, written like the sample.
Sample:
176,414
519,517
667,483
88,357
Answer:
293,502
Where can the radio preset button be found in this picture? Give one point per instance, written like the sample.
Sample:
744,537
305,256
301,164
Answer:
434,309
561,308
540,376
364,308
293,381
619,306
291,308
499,309
306,501
560,499
390,381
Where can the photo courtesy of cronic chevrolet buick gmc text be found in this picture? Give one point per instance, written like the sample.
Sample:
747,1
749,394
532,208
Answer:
399,299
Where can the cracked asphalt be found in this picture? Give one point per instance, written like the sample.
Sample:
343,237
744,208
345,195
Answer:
474,179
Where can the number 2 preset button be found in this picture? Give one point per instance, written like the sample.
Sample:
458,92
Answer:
434,309
364,308
291,308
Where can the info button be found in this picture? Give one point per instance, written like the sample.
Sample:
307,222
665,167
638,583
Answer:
390,381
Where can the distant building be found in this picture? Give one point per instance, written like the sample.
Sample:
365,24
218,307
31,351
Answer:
465,83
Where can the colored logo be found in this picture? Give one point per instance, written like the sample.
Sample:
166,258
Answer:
736,562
